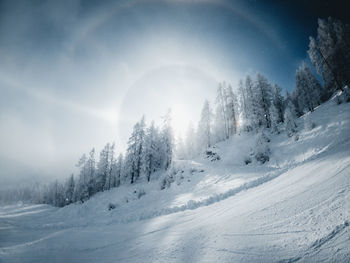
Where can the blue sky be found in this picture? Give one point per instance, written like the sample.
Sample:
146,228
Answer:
76,74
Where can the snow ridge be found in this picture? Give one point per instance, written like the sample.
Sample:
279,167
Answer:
192,205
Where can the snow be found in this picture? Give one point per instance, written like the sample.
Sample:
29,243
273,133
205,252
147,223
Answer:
293,208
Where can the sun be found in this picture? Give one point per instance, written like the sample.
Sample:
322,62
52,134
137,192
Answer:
181,88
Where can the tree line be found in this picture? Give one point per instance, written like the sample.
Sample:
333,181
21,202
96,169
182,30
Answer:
255,105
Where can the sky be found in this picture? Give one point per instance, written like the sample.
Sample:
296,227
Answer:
78,74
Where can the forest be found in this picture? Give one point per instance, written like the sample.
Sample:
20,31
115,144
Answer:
253,105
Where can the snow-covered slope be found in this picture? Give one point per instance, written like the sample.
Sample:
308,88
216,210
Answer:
294,208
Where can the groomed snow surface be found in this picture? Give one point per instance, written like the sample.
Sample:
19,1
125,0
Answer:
295,208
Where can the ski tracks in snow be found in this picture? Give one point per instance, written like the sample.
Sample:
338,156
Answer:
315,247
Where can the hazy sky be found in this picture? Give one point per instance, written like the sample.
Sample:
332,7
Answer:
76,74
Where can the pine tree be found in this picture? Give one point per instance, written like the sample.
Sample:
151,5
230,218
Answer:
330,53
277,101
231,109
221,114
289,119
274,118
252,119
219,125
262,97
103,168
167,141
204,127
225,121
70,186
91,173
81,192
110,178
150,154
135,146
262,150
308,90
119,170
58,198
242,102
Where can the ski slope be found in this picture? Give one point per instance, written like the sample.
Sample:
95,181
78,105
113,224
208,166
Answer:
295,208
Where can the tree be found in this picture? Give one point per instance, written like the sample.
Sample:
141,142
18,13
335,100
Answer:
58,194
225,121
135,146
262,99
91,173
204,127
251,122
103,168
243,104
308,90
150,153
231,109
110,178
81,191
274,118
219,125
167,141
262,150
70,186
119,169
277,101
330,53
289,119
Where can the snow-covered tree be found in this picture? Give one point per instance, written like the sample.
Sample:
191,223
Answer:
261,149
277,101
204,133
262,99
225,120
220,113
243,105
86,184
110,178
289,119
133,155
103,168
91,173
231,111
150,153
81,191
69,187
167,141
219,125
275,118
330,53
58,194
308,90
119,170
255,99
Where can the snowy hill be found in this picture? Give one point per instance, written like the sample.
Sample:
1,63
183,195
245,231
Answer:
294,208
